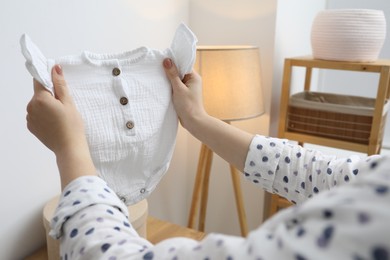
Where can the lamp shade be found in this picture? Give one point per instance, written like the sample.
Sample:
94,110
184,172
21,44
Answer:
231,81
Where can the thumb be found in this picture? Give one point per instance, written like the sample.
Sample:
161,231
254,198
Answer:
172,74
60,87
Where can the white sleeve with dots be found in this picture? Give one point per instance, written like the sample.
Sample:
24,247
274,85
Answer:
296,173
346,222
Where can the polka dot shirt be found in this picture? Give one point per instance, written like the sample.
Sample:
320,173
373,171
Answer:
342,211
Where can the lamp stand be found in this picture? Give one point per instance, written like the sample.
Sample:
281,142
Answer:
201,189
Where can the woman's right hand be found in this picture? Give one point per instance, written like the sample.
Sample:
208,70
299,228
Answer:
56,122
187,95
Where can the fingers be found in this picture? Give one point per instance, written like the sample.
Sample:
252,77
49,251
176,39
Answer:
38,87
39,95
193,76
172,73
60,87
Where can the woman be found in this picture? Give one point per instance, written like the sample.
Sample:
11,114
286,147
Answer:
349,221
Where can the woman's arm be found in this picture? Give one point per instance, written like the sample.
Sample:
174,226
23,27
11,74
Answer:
289,170
347,221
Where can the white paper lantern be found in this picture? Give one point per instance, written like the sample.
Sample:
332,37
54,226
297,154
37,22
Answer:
348,34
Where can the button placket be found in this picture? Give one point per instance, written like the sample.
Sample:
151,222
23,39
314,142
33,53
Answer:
119,88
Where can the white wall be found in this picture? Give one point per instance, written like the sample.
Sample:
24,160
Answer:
363,84
29,176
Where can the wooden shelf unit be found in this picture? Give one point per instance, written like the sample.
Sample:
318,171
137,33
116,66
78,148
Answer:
374,144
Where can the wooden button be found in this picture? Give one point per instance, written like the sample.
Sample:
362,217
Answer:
130,124
123,101
116,71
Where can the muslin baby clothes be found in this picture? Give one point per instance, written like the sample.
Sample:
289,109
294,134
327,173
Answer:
125,102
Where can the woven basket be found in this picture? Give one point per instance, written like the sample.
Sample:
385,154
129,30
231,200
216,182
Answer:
348,34
341,117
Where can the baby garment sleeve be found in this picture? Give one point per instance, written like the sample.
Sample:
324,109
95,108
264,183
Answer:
183,50
36,63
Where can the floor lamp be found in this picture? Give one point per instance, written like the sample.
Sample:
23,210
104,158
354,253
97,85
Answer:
231,91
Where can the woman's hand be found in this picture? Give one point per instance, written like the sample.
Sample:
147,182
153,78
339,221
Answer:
227,141
56,122
187,95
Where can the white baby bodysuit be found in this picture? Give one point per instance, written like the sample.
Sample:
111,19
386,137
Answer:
125,102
